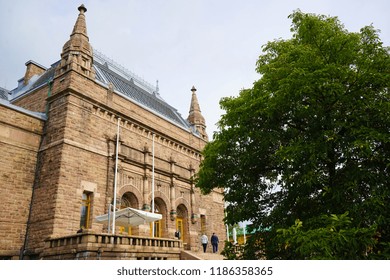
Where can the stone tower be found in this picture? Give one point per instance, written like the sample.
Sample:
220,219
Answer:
60,181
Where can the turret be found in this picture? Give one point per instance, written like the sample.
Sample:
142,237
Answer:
77,51
195,117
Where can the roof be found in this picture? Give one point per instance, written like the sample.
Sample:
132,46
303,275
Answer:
123,81
34,83
4,93
135,89
38,115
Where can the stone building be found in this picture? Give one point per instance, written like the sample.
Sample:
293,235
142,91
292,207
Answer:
60,162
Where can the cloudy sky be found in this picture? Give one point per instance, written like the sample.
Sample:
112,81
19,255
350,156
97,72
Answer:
211,44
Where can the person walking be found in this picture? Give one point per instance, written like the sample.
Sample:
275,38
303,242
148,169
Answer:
204,240
214,242
178,234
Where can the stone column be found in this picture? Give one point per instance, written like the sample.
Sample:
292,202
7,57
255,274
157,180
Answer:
172,192
194,216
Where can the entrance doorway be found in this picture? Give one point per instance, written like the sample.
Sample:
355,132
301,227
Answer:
180,227
182,224
160,225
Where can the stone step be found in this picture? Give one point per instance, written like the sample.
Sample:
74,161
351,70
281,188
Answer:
209,256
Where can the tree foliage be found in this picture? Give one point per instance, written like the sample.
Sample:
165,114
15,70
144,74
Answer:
335,239
310,138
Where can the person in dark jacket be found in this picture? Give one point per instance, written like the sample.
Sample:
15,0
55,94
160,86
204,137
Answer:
214,242
177,234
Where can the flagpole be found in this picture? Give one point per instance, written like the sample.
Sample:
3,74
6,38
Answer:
115,177
153,183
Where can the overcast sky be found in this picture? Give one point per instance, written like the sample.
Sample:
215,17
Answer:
212,45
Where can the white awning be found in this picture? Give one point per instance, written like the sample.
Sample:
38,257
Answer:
129,217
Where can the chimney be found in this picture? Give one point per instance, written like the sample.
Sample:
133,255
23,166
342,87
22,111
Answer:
33,69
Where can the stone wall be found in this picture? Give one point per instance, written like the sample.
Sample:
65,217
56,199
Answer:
20,135
34,101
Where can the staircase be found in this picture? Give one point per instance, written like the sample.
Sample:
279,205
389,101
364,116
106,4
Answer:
209,256
190,255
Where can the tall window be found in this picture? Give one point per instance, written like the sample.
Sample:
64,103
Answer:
85,209
157,228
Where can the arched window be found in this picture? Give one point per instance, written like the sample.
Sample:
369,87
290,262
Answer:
128,200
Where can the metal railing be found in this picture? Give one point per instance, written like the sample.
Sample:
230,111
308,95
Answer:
123,71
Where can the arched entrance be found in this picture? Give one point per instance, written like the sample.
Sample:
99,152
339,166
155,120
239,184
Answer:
182,223
129,200
160,227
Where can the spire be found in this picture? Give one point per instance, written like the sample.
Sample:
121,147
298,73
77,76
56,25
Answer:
77,51
80,27
195,117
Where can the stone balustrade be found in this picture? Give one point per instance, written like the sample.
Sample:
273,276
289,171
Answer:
89,245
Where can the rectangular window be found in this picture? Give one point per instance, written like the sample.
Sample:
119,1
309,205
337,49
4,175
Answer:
85,210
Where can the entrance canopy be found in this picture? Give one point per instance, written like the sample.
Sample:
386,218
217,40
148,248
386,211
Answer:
129,217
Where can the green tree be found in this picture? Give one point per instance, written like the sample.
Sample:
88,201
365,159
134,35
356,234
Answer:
334,238
311,138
